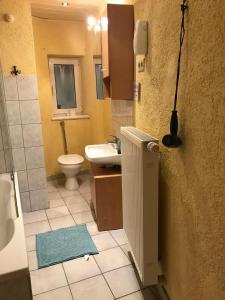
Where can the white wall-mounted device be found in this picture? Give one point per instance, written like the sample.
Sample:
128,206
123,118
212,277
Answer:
141,38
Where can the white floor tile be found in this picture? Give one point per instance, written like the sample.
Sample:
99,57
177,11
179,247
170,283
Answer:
51,187
32,260
122,281
75,199
56,203
104,241
47,279
37,227
120,236
61,222
34,216
141,295
111,259
125,248
83,217
59,294
54,195
57,212
31,243
87,197
85,187
93,228
94,288
77,206
66,193
79,269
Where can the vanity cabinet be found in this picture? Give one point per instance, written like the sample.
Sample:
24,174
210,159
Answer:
117,51
106,194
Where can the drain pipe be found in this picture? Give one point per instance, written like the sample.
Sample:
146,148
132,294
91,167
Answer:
62,124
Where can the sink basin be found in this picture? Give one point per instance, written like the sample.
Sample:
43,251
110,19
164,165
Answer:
103,154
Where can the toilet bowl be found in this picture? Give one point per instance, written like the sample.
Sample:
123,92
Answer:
70,165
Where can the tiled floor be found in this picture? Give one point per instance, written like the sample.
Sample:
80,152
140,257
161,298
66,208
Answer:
106,276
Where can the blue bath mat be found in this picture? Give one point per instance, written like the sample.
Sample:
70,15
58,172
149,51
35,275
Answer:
60,245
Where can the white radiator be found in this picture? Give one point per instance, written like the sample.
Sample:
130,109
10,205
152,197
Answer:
140,165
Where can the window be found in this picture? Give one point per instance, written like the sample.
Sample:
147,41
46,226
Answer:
66,85
98,78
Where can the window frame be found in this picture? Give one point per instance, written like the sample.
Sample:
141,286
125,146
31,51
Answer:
77,83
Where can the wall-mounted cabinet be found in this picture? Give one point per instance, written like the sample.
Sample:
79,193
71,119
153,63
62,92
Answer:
117,52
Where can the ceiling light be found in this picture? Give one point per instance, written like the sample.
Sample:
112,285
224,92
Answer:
65,3
91,21
104,23
97,27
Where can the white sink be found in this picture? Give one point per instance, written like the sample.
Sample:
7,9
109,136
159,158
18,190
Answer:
103,154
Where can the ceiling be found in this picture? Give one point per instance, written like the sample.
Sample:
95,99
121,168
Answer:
77,9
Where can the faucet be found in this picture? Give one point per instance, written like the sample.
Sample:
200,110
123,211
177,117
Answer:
115,140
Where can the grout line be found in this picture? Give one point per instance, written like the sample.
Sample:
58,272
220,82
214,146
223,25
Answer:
104,277
48,290
67,282
113,238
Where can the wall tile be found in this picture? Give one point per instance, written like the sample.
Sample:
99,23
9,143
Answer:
37,179
30,112
9,160
13,112
2,162
34,157
2,114
5,137
23,182
25,201
122,115
39,199
27,87
10,85
16,136
1,140
32,135
19,159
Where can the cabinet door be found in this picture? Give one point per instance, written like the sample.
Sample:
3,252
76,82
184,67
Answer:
120,47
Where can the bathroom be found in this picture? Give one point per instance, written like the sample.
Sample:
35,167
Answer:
190,202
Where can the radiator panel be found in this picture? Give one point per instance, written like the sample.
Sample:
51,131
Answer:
140,201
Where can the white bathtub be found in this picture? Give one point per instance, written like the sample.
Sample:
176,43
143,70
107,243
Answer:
14,272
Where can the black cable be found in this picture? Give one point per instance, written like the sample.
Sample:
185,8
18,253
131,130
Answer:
172,140
182,33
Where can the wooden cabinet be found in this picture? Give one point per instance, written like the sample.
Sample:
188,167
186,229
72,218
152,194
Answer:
106,194
117,52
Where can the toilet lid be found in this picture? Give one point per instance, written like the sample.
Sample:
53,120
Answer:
70,159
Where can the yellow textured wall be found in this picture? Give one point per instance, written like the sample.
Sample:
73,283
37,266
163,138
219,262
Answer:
16,39
66,38
192,178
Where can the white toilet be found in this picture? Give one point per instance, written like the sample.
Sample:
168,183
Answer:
70,165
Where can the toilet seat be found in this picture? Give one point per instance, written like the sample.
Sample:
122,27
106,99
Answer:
70,159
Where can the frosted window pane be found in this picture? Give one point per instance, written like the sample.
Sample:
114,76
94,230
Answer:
64,85
98,75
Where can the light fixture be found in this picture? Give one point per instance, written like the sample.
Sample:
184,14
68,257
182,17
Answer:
65,3
91,21
97,27
104,23
97,24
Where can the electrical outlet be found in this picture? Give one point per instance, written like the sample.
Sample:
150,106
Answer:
141,65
